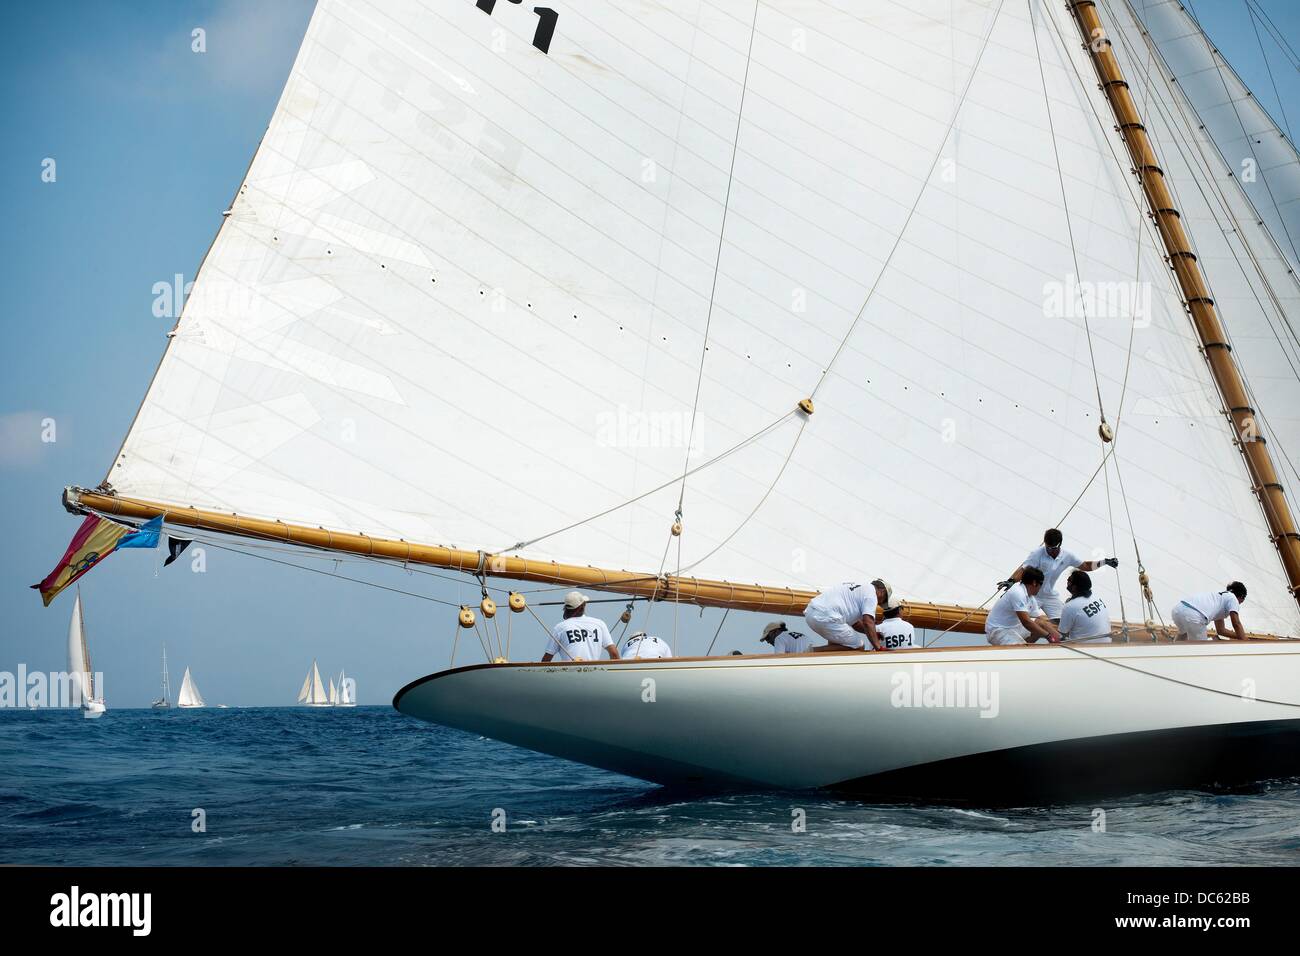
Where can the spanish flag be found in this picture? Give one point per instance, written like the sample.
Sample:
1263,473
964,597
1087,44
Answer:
95,540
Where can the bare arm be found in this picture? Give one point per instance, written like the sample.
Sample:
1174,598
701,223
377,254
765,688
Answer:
869,628
1239,632
1039,628
612,650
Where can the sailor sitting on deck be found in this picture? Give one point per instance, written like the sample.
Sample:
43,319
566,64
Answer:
1084,617
785,641
641,644
1016,618
1194,613
1050,558
893,631
579,637
844,613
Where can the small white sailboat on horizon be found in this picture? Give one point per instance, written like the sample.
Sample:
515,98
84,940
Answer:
80,667
165,701
189,695
347,691
313,690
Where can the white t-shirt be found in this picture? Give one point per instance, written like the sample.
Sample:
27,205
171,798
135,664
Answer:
646,646
1003,613
846,602
894,632
1215,605
1084,618
579,639
793,642
1052,567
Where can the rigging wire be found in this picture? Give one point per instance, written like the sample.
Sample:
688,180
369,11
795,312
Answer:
1254,22
1065,204
717,262
925,182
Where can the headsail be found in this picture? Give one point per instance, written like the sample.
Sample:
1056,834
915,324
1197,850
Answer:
466,296
80,670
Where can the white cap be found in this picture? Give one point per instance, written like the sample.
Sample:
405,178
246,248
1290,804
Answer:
892,602
889,591
635,634
574,600
773,628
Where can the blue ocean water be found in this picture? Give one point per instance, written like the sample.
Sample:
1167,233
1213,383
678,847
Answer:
369,786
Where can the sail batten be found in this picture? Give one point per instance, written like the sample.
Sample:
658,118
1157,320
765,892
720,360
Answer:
463,292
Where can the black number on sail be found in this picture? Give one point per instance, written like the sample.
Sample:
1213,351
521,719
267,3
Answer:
546,20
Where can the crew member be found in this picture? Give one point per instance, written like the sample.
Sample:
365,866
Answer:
893,631
1016,618
579,637
1084,617
641,644
845,613
1194,613
785,641
1052,560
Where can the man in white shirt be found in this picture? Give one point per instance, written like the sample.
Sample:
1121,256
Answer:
893,631
1084,617
1194,613
785,641
641,644
1016,618
846,612
579,637
1051,558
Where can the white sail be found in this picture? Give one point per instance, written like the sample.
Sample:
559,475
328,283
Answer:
189,695
334,692
81,671
1240,195
306,689
346,695
463,297
313,690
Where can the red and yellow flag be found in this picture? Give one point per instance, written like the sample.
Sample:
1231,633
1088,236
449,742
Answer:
94,541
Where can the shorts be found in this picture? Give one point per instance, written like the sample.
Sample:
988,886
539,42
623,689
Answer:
1015,634
834,630
1051,603
1190,623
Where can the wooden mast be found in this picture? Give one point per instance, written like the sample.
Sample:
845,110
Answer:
1195,292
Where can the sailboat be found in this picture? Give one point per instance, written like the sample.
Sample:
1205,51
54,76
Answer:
80,669
165,701
347,691
189,695
717,305
313,691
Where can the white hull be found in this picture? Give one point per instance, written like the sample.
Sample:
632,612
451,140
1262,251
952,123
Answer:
93,708
1063,720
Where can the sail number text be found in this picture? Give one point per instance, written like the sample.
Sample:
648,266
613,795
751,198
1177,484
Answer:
546,20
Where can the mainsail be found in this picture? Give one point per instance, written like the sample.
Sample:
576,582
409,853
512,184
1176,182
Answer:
545,304
80,670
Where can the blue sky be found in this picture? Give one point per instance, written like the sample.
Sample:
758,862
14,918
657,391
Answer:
151,141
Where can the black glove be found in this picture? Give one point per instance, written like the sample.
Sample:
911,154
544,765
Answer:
1003,585
1111,562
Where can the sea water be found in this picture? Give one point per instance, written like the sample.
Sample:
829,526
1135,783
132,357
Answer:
370,786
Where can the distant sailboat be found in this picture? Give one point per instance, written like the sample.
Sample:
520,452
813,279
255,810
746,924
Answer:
347,695
79,666
165,701
313,691
189,695
334,693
